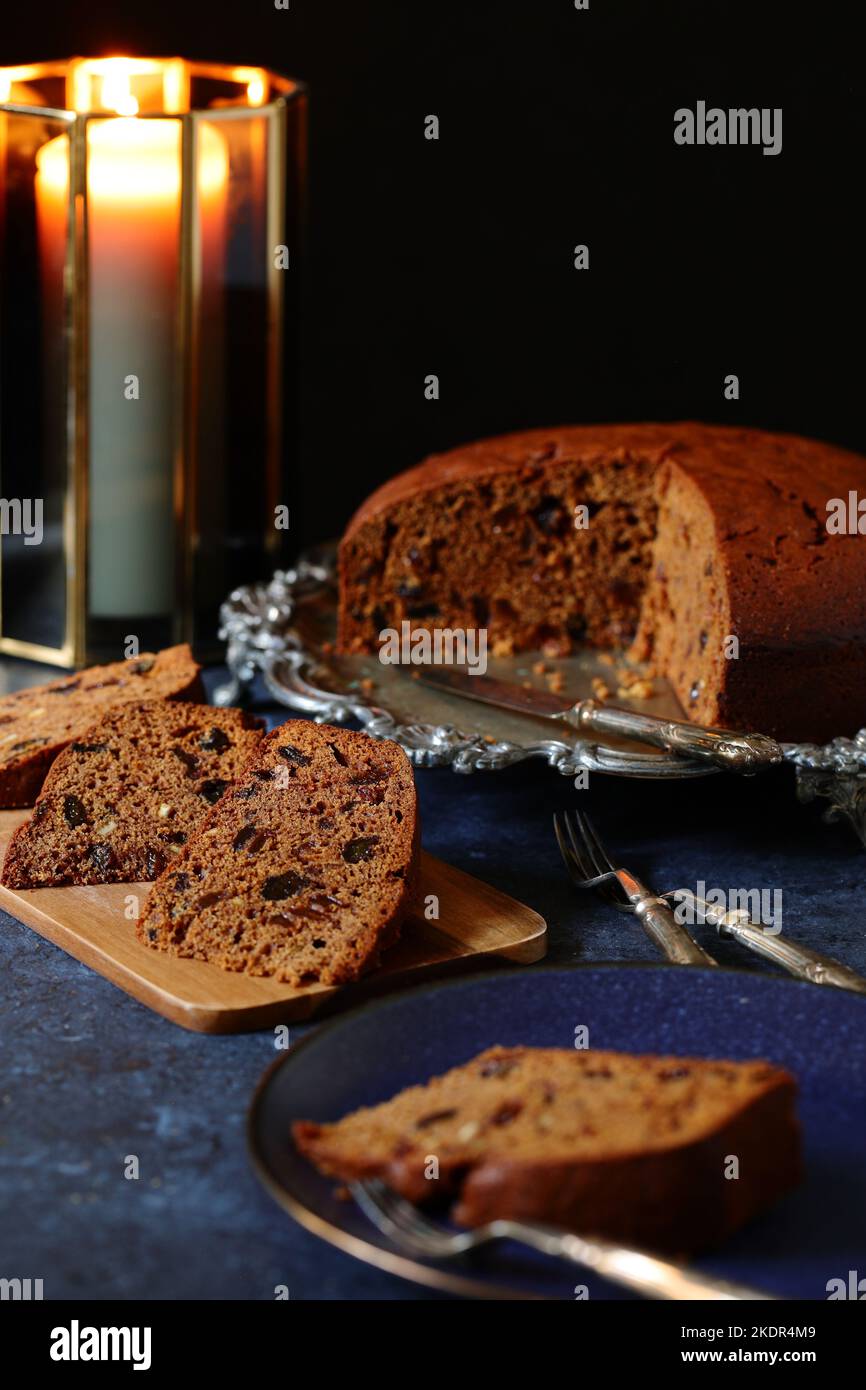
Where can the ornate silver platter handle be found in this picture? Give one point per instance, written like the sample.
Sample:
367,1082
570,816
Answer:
735,752
259,624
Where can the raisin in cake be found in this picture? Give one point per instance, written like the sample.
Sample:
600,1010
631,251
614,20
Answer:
119,803
633,1148
691,535
36,724
306,867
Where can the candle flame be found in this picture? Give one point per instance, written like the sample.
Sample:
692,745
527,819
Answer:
107,83
116,93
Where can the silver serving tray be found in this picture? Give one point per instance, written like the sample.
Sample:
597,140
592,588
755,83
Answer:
284,630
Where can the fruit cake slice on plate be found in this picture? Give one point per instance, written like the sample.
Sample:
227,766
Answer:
305,869
121,801
670,1153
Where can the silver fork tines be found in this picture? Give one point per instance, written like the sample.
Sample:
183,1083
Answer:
406,1225
585,858
590,866
414,1233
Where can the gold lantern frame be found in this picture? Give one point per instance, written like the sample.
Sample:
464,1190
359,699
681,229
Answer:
245,93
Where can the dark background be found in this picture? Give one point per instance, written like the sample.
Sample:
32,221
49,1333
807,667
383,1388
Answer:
456,257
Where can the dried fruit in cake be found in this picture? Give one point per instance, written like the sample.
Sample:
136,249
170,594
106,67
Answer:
119,803
636,1149
36,724
298,873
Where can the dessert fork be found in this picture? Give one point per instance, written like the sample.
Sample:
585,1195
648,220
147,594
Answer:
589,866
417,1235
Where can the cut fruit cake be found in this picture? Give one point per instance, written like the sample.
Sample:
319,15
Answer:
633,1148
678,537
305,868
36,724
120,802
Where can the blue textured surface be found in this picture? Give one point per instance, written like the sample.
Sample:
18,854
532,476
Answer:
89,1076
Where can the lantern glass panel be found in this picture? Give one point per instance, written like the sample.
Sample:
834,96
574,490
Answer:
34,483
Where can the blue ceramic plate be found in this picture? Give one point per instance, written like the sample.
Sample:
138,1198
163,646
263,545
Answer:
813,1236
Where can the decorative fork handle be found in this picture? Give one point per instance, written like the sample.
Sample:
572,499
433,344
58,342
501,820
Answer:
801,961
661,926
635,1269
734,752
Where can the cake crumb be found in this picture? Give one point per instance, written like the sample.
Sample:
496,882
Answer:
639,690
632,685
555,646
599,689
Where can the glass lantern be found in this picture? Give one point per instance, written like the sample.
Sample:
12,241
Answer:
149,216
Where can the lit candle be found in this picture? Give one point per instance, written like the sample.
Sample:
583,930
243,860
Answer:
134,207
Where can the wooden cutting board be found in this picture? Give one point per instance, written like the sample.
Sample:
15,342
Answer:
475,921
